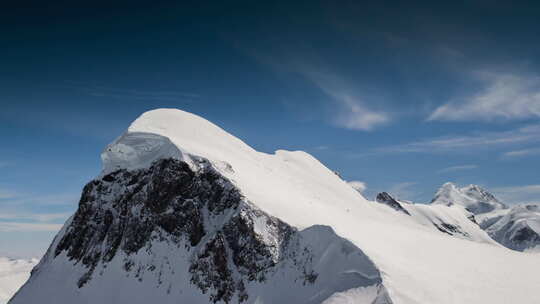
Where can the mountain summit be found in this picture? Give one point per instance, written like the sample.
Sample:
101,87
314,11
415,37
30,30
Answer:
184,212
472,197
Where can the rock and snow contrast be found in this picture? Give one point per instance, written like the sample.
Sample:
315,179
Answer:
452,220
13,274
385,198
472,197
517,228
184,212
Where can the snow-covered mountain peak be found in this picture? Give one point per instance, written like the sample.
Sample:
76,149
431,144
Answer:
185,212
472,197
480,194
173,133
447,190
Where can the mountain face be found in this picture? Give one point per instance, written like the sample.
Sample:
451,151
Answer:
13,274
517,228
184,212
450,220
182,230
473,198
386,199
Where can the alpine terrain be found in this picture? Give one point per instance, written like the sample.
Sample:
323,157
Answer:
517,227
184,212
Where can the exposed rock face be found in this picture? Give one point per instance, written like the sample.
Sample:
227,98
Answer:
450,229
124,210
387,199
519,229
127,217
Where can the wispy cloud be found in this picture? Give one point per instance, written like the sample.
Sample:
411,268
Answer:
353,111
522,153
476,141
504,96
7,194
356,117
518,194
358,185
351,107
38,217
60,199
20,212
458,168
21,226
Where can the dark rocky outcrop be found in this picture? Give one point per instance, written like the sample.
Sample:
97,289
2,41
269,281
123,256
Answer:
450,229
515,229
387,199
124,211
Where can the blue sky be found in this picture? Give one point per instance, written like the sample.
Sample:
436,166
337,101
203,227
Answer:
400,98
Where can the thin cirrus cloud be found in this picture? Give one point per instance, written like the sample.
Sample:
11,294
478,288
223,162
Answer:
505,96
18,199
16,213
458,168
7,194
477,141
31,221
350,108
29,227
37,217
352,112
519,194
521,153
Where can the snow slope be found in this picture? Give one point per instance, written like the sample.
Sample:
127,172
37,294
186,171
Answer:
13,274
452,220
418,263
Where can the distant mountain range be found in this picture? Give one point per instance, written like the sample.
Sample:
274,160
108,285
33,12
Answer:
517,227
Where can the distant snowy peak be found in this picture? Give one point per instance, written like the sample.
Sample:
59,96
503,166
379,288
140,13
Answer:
517,228
472,197
481,195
